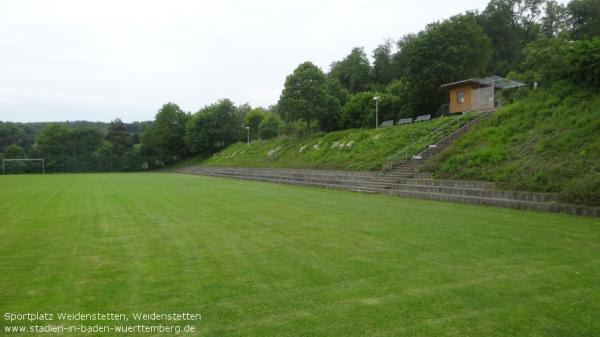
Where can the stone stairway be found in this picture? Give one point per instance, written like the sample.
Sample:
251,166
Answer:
419,186
410,167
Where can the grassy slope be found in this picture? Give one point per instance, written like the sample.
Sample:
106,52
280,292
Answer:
274,260
368,151
548,141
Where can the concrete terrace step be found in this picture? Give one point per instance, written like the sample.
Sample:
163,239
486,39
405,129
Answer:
477,192
478,189
425,180
301,180
434,149
327,179
499,202
363,189
472,192
447,183
301,171
378,183
309,175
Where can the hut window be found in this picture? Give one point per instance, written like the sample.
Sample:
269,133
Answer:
460,97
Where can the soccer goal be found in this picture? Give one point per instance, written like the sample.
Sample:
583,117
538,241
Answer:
23,165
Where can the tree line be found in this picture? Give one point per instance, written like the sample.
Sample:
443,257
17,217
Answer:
535,41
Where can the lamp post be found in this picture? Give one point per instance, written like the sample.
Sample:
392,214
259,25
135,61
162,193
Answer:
248,132
376,99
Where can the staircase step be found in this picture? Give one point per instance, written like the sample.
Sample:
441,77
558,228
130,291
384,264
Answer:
477,192
356,188
499,202
447,183
374,182
472,192
434,149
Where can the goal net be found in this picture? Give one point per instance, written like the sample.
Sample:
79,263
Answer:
13,166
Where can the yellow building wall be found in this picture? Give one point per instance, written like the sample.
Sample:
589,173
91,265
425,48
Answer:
464,106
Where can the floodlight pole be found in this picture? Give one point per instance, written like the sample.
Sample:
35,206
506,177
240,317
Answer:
248,132
376,99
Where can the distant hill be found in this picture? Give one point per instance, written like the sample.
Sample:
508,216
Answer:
24,134
134,127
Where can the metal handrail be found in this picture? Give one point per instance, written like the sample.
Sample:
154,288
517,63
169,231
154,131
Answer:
404,149
467,125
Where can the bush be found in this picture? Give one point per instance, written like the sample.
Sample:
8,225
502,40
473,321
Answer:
359,111
583,191
253,120
269,127
585,56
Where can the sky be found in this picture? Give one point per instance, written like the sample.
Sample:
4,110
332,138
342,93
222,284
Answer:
99,60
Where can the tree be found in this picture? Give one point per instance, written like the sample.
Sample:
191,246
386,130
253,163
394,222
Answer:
120,143
383,63
118,137
214,127
337,96
555,20
337,91
360,110
14,133
354,71
243,110
53,143
584,56
85,141
165,138
510,25
585,18
253,120
549,60
304,95
14,151
447,51
269,127
403,90
400,58
545,61
329,118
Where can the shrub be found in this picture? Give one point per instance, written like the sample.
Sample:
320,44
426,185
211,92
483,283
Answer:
269,127
583,191
585,56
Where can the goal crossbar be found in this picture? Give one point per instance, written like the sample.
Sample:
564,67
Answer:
4,161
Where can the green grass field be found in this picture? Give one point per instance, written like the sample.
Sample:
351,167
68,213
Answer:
260,259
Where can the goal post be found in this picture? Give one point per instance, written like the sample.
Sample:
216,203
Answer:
5,161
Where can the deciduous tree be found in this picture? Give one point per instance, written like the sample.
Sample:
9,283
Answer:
165,137
214,127
446,51
304,95
585,18
354,71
